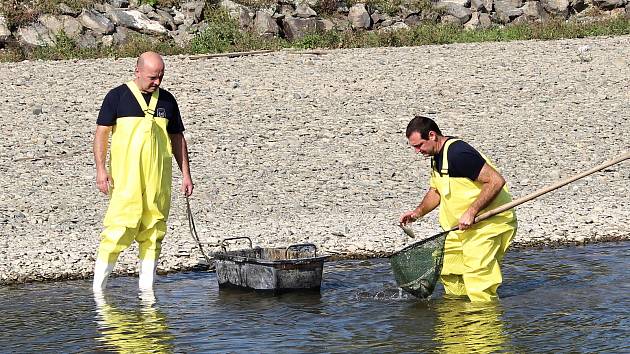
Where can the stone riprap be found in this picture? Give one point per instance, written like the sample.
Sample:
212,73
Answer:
291,148
110,23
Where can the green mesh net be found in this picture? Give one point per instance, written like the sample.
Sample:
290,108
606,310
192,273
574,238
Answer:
417,267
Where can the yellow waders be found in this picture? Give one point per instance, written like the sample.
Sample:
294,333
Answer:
141,168
471,257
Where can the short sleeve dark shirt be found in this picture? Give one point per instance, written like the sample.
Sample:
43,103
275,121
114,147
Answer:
463,160
120,102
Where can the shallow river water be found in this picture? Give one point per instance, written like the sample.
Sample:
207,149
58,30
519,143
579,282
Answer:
564,300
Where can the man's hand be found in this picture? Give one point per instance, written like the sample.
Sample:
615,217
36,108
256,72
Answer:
187,187
103,181
408,217
467,219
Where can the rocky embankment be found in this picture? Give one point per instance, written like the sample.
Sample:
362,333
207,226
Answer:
110,23
291,148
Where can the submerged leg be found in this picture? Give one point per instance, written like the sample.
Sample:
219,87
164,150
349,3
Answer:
482,255
453,268
453,284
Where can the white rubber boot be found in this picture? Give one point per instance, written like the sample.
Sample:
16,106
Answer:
147,273
101,273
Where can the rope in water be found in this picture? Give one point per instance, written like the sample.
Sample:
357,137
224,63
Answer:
193,233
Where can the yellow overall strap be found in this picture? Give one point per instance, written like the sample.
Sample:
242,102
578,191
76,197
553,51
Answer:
448,143
149,111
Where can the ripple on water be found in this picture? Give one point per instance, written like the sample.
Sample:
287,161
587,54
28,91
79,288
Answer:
566,299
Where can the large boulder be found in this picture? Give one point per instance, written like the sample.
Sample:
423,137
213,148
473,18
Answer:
193,10
242,14
533,11
295,28
507,10
5,33
578,5
52,22
359,17
473,23
310,3
178,17
89,39
458,12
145,8
393,27
325,25
35,35
67,10
165,19
304,11
481,5
96,22
556,8
136,20
119,3
609,4
412,20
484,20
102,8
463,3
265,25
71,26
377,19
182,36
121,36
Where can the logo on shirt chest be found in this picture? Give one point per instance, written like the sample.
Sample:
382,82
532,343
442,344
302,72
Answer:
161,112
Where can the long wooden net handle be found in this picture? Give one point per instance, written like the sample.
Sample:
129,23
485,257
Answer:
550,188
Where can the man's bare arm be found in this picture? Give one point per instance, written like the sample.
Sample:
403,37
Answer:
99,148
492,182
430,201
180,151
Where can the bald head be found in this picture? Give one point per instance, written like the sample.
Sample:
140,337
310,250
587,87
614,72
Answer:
149,72
150,59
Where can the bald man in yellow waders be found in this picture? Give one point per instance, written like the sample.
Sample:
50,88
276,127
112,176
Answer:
464,184
146,132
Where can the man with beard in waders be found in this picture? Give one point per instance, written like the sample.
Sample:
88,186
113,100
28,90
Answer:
146,132
464,183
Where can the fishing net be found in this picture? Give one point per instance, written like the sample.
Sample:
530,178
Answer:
417,267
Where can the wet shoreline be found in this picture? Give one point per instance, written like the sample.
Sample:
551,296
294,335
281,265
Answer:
202,266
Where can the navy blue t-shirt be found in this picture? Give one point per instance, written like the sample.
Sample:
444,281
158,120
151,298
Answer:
120,102
463,160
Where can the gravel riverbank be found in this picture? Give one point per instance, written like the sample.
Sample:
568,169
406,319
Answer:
290,148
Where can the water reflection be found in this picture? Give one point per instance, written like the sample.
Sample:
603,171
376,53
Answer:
143,329
465,327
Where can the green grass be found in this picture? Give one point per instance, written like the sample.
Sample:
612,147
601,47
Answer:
447,34
223,35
